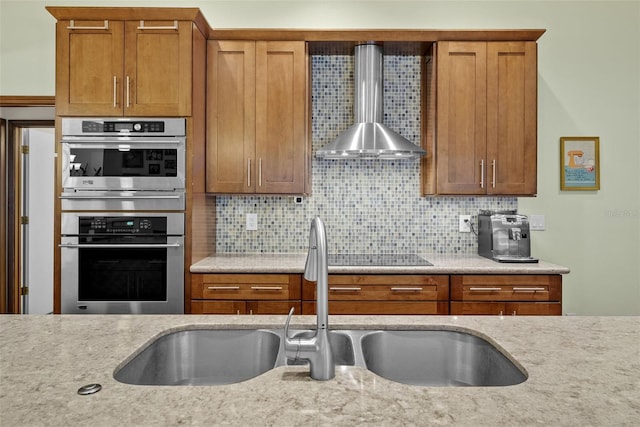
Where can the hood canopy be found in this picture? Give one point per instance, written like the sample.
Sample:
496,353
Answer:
369,138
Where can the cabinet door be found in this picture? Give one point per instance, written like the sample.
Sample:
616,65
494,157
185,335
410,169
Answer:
218,307
273,307
281,116
89,67
231,117
461,118
477,308
511,117
380,307
157,74
506,309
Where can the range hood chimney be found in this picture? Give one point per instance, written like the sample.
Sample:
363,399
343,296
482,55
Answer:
368,138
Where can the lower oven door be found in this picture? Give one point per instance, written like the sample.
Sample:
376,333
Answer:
123,278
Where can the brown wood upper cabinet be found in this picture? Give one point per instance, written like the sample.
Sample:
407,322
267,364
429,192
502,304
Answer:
486,118
132,68
258,117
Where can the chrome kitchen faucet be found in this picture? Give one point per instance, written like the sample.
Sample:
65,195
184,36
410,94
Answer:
315,349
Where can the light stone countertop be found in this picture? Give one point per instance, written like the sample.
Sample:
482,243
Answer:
583,371
442,264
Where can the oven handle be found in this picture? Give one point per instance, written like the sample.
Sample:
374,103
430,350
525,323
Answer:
91,196
114,141
118,246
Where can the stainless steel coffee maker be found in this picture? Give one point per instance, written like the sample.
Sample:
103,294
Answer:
503,236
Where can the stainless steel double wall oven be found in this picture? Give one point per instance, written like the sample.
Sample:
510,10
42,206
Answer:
123,202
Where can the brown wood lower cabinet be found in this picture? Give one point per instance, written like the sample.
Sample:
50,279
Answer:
381,294
245,293
506,294
390,294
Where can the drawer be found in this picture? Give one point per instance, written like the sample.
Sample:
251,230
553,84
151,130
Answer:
246,286
380,307
507,308
244,307
506,288
218,307
382,288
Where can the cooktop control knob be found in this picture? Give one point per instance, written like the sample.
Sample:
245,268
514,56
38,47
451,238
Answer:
137,127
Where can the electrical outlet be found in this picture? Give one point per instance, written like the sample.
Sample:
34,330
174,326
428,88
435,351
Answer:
252,222
464,223
536,222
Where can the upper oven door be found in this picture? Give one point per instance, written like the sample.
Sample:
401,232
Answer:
123,163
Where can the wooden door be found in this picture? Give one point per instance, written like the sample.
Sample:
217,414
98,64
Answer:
157,76
281,116
231,86
511,117
89,67
461,118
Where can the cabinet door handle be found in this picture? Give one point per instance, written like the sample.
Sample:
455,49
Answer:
223,288
493,173
529,290
406,289
160,27
115,92
266,288
72,26
482,173
485,289
128,81
260,172
345,289
248,172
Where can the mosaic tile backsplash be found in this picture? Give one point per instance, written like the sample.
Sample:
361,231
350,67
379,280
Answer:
368,206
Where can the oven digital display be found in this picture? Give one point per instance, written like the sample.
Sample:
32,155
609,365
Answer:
118,126
122,224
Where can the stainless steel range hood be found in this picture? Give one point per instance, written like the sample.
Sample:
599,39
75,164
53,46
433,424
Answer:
368,138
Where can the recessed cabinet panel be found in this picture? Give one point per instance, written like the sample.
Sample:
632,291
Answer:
89,67
257,117
245,293
525,294
281,116
461,112
158,68
231,117
486,118
512,117
115,68
382,294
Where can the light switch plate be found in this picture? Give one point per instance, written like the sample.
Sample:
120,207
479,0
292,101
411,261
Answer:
536,222
252,222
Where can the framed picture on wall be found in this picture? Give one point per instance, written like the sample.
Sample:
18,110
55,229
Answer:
579,163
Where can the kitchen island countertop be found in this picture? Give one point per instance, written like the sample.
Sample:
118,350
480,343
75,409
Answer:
442,264
582,371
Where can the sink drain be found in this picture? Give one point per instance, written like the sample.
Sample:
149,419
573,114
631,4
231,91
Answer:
89,389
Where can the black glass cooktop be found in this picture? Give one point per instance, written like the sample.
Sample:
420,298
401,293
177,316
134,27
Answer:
373,260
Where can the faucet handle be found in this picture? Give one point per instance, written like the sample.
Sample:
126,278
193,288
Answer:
286,324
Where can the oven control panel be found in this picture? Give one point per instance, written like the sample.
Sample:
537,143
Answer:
94,126
122,225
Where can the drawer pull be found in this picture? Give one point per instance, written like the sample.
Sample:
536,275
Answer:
73,26
406,289
345,289
529,290
223,288
266,288
142,26
485,289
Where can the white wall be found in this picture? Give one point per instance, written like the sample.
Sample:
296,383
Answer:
589,85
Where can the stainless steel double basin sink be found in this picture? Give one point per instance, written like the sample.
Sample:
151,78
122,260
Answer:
425,357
